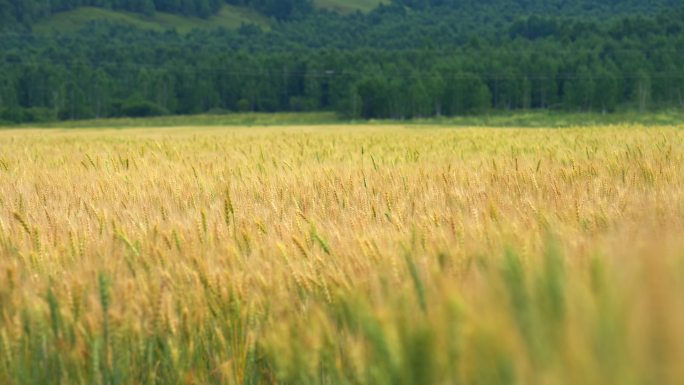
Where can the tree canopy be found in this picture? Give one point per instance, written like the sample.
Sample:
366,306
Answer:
408,59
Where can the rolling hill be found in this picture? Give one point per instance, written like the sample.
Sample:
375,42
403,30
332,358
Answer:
345,6
230,17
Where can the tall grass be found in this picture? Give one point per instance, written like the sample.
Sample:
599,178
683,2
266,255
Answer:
287,255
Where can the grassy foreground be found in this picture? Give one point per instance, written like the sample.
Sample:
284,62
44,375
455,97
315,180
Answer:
342,255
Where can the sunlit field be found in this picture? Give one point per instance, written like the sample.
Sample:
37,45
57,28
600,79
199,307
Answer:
336,255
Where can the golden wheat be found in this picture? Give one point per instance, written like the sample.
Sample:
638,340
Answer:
342,254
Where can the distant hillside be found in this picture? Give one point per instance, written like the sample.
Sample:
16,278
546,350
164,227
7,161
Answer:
345,6
184,15
229,17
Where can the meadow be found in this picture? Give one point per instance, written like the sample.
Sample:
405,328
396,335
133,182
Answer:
331,254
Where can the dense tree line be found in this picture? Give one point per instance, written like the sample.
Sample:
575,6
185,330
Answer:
357,65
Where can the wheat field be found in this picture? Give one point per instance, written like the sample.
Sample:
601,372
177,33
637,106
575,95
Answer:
363,255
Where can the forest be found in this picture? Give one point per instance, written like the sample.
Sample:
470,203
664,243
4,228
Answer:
403,60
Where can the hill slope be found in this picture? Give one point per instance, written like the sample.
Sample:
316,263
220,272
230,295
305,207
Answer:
345,6
230,17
